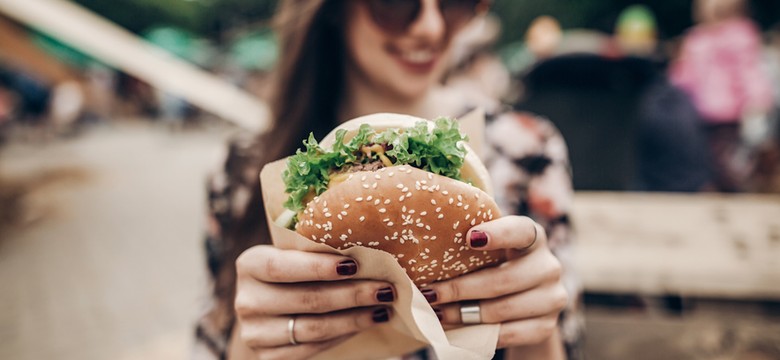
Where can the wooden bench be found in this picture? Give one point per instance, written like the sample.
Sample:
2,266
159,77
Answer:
690,245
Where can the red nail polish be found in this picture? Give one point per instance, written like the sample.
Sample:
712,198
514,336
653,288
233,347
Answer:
478,239
380,315
385,295
346,267
439,313
430,295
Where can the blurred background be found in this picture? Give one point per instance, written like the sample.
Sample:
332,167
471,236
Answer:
112,113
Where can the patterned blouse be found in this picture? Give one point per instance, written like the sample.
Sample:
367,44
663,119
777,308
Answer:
527,159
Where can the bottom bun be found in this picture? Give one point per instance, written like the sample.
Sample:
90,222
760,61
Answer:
418,217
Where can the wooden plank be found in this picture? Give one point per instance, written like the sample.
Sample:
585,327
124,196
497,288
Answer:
707,245
76,26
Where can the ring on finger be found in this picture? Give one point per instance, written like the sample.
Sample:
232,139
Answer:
536,236
470,313
291,330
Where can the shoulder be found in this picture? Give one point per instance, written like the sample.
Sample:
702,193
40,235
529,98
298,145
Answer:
519,133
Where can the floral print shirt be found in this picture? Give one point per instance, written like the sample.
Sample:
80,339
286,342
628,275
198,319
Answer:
527,159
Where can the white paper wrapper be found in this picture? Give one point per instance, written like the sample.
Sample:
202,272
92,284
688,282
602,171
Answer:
413,324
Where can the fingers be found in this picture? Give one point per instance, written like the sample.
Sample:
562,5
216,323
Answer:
539,302
514,276
301,351
269,332
257,298
509,232
269,264
527,332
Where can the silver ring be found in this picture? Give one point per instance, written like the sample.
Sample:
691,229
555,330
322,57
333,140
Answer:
470,313
291,330
536,236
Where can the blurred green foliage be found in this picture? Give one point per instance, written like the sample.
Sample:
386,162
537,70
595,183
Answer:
216,19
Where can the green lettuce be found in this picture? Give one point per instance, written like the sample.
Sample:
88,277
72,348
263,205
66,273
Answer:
439,151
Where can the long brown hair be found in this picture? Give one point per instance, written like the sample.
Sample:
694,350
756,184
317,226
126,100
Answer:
305,96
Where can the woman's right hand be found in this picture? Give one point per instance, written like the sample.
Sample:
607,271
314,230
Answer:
317,290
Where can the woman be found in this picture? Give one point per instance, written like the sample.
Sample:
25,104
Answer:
340,60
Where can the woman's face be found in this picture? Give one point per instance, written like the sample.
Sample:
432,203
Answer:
403,64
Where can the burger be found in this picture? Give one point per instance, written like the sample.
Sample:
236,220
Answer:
404,185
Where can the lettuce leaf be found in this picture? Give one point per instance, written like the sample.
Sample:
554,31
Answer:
439,151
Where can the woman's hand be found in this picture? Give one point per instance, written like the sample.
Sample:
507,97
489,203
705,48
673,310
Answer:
525,294
316,290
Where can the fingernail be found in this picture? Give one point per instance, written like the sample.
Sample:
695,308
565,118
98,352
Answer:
385,295
347,267
380,315
478,238
430,295
439,313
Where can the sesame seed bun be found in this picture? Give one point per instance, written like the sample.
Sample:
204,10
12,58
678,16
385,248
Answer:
419,217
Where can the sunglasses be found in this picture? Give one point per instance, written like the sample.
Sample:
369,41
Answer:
395,16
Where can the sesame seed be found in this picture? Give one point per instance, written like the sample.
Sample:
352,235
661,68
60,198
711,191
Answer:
403,208
473,221
344,213
390,174
409,194
363,178
382,210
401,198
362,218
460,198
433,202
423,213
387,201
373,186
327,215
340,217
365,186
405,189
377,201
427,227
359,199
411,211
376,176
445,192
455,225
459,204
389,223
466,207
349,231
346,206
438,209
369,198
441,216
399,186
468,216
451,201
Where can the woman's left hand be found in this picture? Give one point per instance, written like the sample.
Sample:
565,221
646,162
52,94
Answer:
525,294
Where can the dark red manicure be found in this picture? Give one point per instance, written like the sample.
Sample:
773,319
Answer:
439,313
347,267
430,295
478,238
385,295
380,315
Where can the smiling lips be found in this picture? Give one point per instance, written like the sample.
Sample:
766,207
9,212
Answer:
416,61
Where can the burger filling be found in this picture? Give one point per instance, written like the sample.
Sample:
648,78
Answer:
312,169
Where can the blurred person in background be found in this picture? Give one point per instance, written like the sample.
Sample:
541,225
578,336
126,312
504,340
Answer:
340,60
719,66
672,153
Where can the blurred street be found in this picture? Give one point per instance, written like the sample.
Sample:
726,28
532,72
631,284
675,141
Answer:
103,260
